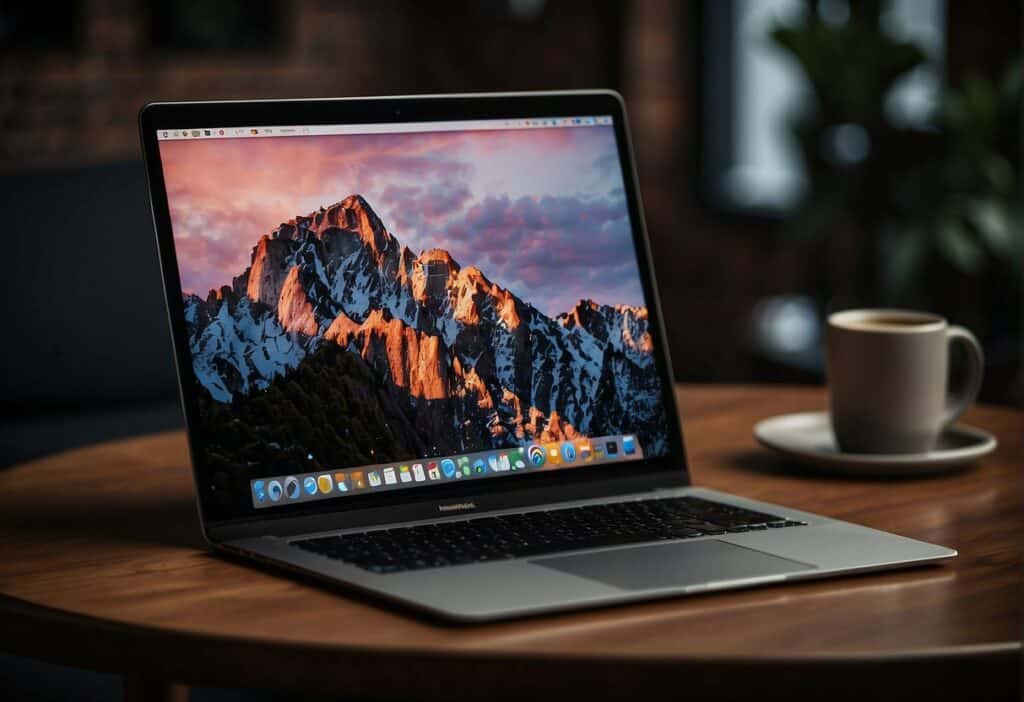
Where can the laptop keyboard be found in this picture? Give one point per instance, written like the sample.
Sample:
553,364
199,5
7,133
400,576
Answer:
538,533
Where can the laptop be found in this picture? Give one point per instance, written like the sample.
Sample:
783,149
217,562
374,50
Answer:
422,356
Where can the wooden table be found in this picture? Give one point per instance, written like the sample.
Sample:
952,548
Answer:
104,567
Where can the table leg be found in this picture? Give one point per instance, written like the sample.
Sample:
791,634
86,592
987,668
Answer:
138,688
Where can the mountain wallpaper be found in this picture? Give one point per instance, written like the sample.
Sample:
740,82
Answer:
333,344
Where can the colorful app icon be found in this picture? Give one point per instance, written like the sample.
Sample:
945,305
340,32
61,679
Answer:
259,491
554,451
584,451
463,461
433,472
448,468
536,455
325,483
291,487
405,475
518,457
417,472
309,485
479,466
611,448
568,452
341,482
598,451
629,445
358,481
504,463
374,477
389,476
275,491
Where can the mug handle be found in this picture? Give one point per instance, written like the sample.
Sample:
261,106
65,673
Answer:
960,400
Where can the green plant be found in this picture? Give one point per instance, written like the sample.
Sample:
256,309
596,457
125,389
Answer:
981,219
945,196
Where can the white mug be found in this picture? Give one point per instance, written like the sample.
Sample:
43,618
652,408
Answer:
887,373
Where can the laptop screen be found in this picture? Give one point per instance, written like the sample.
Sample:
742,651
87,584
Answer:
387,307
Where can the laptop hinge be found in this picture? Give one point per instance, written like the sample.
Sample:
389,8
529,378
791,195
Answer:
429,510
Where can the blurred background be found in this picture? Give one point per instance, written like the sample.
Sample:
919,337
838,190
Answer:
795,157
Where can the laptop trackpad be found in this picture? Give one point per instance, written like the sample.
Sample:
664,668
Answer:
671,564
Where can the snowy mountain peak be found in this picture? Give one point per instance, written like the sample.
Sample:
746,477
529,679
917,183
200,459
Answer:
625,327
430,330
434,273
354,214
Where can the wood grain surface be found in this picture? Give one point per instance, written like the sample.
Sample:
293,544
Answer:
104,567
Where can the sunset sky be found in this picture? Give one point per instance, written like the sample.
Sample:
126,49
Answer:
539,211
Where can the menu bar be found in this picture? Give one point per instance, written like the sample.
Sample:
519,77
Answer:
306,487
390,128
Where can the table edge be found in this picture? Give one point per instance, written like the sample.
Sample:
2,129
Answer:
20,616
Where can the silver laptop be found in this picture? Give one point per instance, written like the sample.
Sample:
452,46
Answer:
421,356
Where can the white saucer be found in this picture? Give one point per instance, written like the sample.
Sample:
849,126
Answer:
807,437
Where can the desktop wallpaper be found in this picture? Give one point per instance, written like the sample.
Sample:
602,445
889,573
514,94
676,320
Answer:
357,299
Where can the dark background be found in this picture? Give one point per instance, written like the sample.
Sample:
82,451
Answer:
85,344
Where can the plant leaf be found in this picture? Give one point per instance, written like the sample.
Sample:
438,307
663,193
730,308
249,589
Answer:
992,220
902,255
959,248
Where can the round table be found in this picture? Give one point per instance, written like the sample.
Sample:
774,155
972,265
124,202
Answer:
104,567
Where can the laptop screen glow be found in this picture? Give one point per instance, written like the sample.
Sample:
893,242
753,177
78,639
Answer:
384,307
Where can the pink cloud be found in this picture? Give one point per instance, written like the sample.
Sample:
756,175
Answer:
446,189
552,251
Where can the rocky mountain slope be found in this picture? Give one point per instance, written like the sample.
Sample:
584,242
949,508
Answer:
468,363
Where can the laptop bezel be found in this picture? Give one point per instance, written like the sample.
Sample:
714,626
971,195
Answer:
421,502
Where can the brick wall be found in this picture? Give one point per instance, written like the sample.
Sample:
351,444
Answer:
74,105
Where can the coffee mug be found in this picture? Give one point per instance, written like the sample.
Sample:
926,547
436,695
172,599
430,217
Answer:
887,373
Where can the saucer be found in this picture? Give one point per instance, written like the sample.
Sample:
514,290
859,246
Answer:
807,437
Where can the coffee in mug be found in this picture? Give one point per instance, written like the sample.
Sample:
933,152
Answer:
887,373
